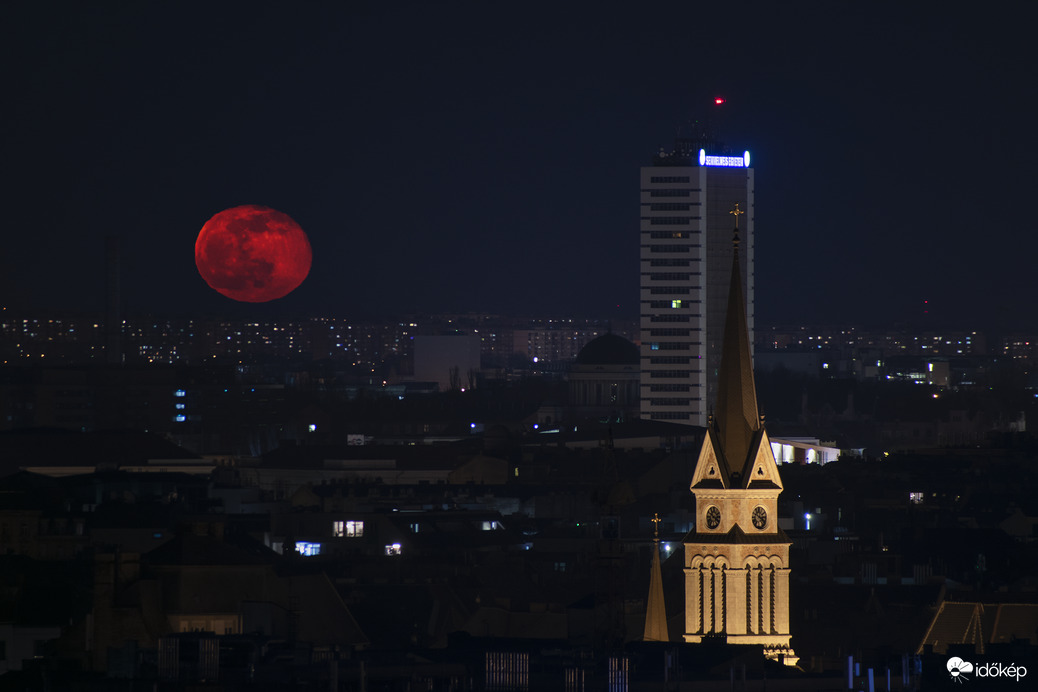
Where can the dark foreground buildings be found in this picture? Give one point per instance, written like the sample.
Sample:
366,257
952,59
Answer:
500,557
500,539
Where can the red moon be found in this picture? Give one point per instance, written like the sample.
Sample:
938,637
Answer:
253,254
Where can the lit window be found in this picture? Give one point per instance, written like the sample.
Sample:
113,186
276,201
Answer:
491,526
675,303
393,549
354,529
181,406
308,549
180,392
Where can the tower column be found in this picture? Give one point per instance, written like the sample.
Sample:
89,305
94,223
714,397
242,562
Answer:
735,586
708,600
693,606
765,600
782,601
720,596
754,599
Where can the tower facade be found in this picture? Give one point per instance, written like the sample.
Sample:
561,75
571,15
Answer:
737,558
686,254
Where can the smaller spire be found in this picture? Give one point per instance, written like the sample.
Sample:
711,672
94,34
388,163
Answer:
655,610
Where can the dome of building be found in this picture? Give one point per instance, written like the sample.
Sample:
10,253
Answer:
608,349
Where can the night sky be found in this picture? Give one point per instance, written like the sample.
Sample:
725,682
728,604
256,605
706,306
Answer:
485,156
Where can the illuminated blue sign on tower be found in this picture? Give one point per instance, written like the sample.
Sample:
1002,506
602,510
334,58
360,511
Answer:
724,161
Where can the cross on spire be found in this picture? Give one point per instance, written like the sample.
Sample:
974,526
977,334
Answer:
736,212
656,525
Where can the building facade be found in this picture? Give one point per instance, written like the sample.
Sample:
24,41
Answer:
688,199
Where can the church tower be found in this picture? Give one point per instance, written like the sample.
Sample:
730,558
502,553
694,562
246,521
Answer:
737,557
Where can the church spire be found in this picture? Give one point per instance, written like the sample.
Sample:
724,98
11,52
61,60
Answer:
655,610
736,418
737,555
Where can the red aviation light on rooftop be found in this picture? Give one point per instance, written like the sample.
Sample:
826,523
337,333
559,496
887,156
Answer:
718,100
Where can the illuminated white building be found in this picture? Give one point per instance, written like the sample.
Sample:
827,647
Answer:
691,199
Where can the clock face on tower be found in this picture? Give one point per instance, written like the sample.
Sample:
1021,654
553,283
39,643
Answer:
759,517
713,517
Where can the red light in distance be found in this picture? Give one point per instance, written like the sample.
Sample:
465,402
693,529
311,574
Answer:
718,100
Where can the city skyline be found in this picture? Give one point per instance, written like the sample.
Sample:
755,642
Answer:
471,159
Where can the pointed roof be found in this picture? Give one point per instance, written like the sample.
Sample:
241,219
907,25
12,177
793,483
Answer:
711,468
736,419
655,610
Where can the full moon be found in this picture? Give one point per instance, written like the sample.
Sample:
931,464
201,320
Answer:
253,254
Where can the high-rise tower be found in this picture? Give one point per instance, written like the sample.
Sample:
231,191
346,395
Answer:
687,197
737,557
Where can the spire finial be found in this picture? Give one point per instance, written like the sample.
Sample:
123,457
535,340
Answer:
656,526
